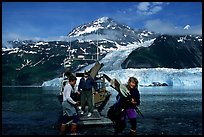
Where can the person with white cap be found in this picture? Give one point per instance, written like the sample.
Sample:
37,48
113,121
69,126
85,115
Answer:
85,88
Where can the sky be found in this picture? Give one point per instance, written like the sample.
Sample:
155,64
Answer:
38,20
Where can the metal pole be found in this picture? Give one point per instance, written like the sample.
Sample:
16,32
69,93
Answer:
97,52
97,47
69,48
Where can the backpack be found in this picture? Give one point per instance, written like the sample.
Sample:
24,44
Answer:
75,96
114,112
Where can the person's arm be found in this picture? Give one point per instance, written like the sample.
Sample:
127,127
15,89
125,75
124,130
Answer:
67,92
75,88
93,83
136,98
79,86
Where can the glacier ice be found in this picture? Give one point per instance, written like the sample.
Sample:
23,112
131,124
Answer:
112,67
191,77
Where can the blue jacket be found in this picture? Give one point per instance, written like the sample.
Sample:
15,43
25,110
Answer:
86,84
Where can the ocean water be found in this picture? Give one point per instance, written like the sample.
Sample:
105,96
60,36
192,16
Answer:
166,110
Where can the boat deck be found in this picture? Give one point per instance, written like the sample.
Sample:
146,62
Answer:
95,119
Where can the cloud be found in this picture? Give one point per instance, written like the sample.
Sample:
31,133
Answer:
14,36
10,36
156,9
149,8
157,3
139,12
143,6
168,28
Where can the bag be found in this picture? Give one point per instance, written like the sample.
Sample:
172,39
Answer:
114,113
75,96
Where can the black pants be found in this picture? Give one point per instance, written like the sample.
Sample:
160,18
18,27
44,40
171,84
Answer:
86,95
119,125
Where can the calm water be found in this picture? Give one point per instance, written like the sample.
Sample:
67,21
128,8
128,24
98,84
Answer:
167,110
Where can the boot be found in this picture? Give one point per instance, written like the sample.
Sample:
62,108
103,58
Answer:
132,132
62,129
73,129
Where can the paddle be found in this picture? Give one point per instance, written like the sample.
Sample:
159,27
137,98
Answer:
122,89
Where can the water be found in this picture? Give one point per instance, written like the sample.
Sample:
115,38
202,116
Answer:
28,111
167,110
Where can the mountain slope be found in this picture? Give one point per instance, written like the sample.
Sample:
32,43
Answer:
107,29
169,52
33,62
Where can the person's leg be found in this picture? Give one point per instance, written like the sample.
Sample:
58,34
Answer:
63,127
133,123
119,126
90,101
74,129
83,100
120,123
74,125
132,117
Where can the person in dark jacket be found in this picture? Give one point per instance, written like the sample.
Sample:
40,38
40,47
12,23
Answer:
85,88
127,106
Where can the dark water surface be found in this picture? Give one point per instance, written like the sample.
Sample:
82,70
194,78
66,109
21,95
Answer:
167,110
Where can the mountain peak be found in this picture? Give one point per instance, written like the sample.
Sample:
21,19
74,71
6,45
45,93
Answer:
187,27
106,28
101,23
103,19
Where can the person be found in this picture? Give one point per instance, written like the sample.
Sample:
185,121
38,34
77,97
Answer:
85,88
127,106
69,107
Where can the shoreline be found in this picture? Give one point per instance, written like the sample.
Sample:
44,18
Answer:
23,86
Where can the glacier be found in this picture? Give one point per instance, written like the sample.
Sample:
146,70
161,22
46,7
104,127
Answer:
191,77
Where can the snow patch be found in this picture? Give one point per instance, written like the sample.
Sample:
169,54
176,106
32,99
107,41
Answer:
187,27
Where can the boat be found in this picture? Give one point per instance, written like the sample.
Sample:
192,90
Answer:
100,97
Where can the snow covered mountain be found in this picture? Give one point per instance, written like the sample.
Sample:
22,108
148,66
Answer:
169,52
189,78
109,30
33,62
187,27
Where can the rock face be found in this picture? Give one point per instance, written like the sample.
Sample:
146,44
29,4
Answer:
169,52
155,84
